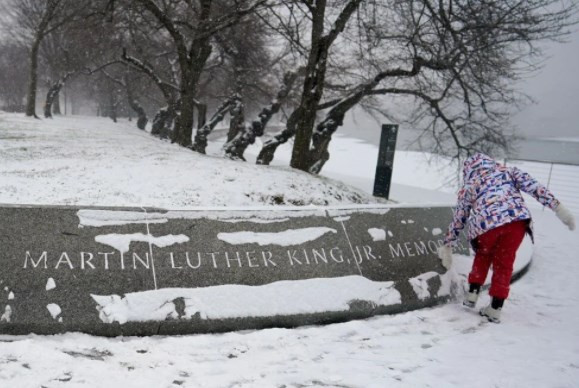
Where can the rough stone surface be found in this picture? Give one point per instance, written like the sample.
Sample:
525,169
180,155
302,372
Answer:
54,258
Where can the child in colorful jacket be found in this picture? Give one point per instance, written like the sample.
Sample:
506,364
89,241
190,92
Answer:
490,201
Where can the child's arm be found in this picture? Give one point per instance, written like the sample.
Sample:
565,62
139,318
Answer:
528,184
461,214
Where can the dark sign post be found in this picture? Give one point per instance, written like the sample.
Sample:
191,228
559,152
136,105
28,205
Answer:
385,160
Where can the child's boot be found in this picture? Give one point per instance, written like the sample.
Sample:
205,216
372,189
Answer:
472,296
493,310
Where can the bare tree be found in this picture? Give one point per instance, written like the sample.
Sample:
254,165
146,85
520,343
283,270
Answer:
34,21
191,26
452,62
244,73
321,41
247,133
80,47
13,74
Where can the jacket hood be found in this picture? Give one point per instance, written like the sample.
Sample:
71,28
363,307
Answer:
479,164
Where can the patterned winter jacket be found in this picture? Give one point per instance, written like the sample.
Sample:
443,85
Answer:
491,197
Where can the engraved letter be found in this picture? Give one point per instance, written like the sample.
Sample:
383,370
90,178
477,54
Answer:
137,258
398,251
189,262
64,258
268,258
250,257
213,258
341,258
421,248
368,252
408,249
106,255
42,258
238,259
432,246
306,256
321,256
292,257
84,261
172,257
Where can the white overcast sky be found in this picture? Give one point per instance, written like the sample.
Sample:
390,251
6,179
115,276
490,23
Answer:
556,91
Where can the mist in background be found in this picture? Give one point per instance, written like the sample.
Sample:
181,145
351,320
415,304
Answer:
555,89
554,111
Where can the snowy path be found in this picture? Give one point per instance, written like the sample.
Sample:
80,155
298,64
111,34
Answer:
537,345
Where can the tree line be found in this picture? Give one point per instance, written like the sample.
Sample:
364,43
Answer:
181,67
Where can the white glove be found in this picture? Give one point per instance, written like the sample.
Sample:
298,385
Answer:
565,216
445,254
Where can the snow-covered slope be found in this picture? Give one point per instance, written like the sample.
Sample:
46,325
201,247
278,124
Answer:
92,161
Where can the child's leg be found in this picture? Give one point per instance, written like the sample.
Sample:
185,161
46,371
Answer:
483,257
509,240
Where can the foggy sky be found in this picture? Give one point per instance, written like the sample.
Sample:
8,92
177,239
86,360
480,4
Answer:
556,91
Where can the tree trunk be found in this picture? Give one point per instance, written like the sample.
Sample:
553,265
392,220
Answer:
142,119
321,140
183,131
315,78
312,90
56,105
190,76
51,96
235,148
237,113
200,143
267,152
33,79
322,136
184,115
163,122
201,115
113,105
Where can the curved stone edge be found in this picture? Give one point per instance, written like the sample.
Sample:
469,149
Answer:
522,272
206,326
362,310
356,311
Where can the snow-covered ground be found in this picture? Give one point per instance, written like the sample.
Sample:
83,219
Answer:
81,161
91,161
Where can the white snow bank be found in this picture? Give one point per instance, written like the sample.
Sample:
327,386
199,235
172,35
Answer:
83,161
284,238
99,218
420,284
232,301
122,242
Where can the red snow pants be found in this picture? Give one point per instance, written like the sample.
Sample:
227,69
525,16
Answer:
498,247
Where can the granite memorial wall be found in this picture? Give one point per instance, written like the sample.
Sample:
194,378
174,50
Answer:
112,271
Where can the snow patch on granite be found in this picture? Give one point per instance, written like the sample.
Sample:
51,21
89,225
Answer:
377,234
285,238
234,301
122,242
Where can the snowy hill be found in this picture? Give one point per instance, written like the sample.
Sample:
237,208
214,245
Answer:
92,161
